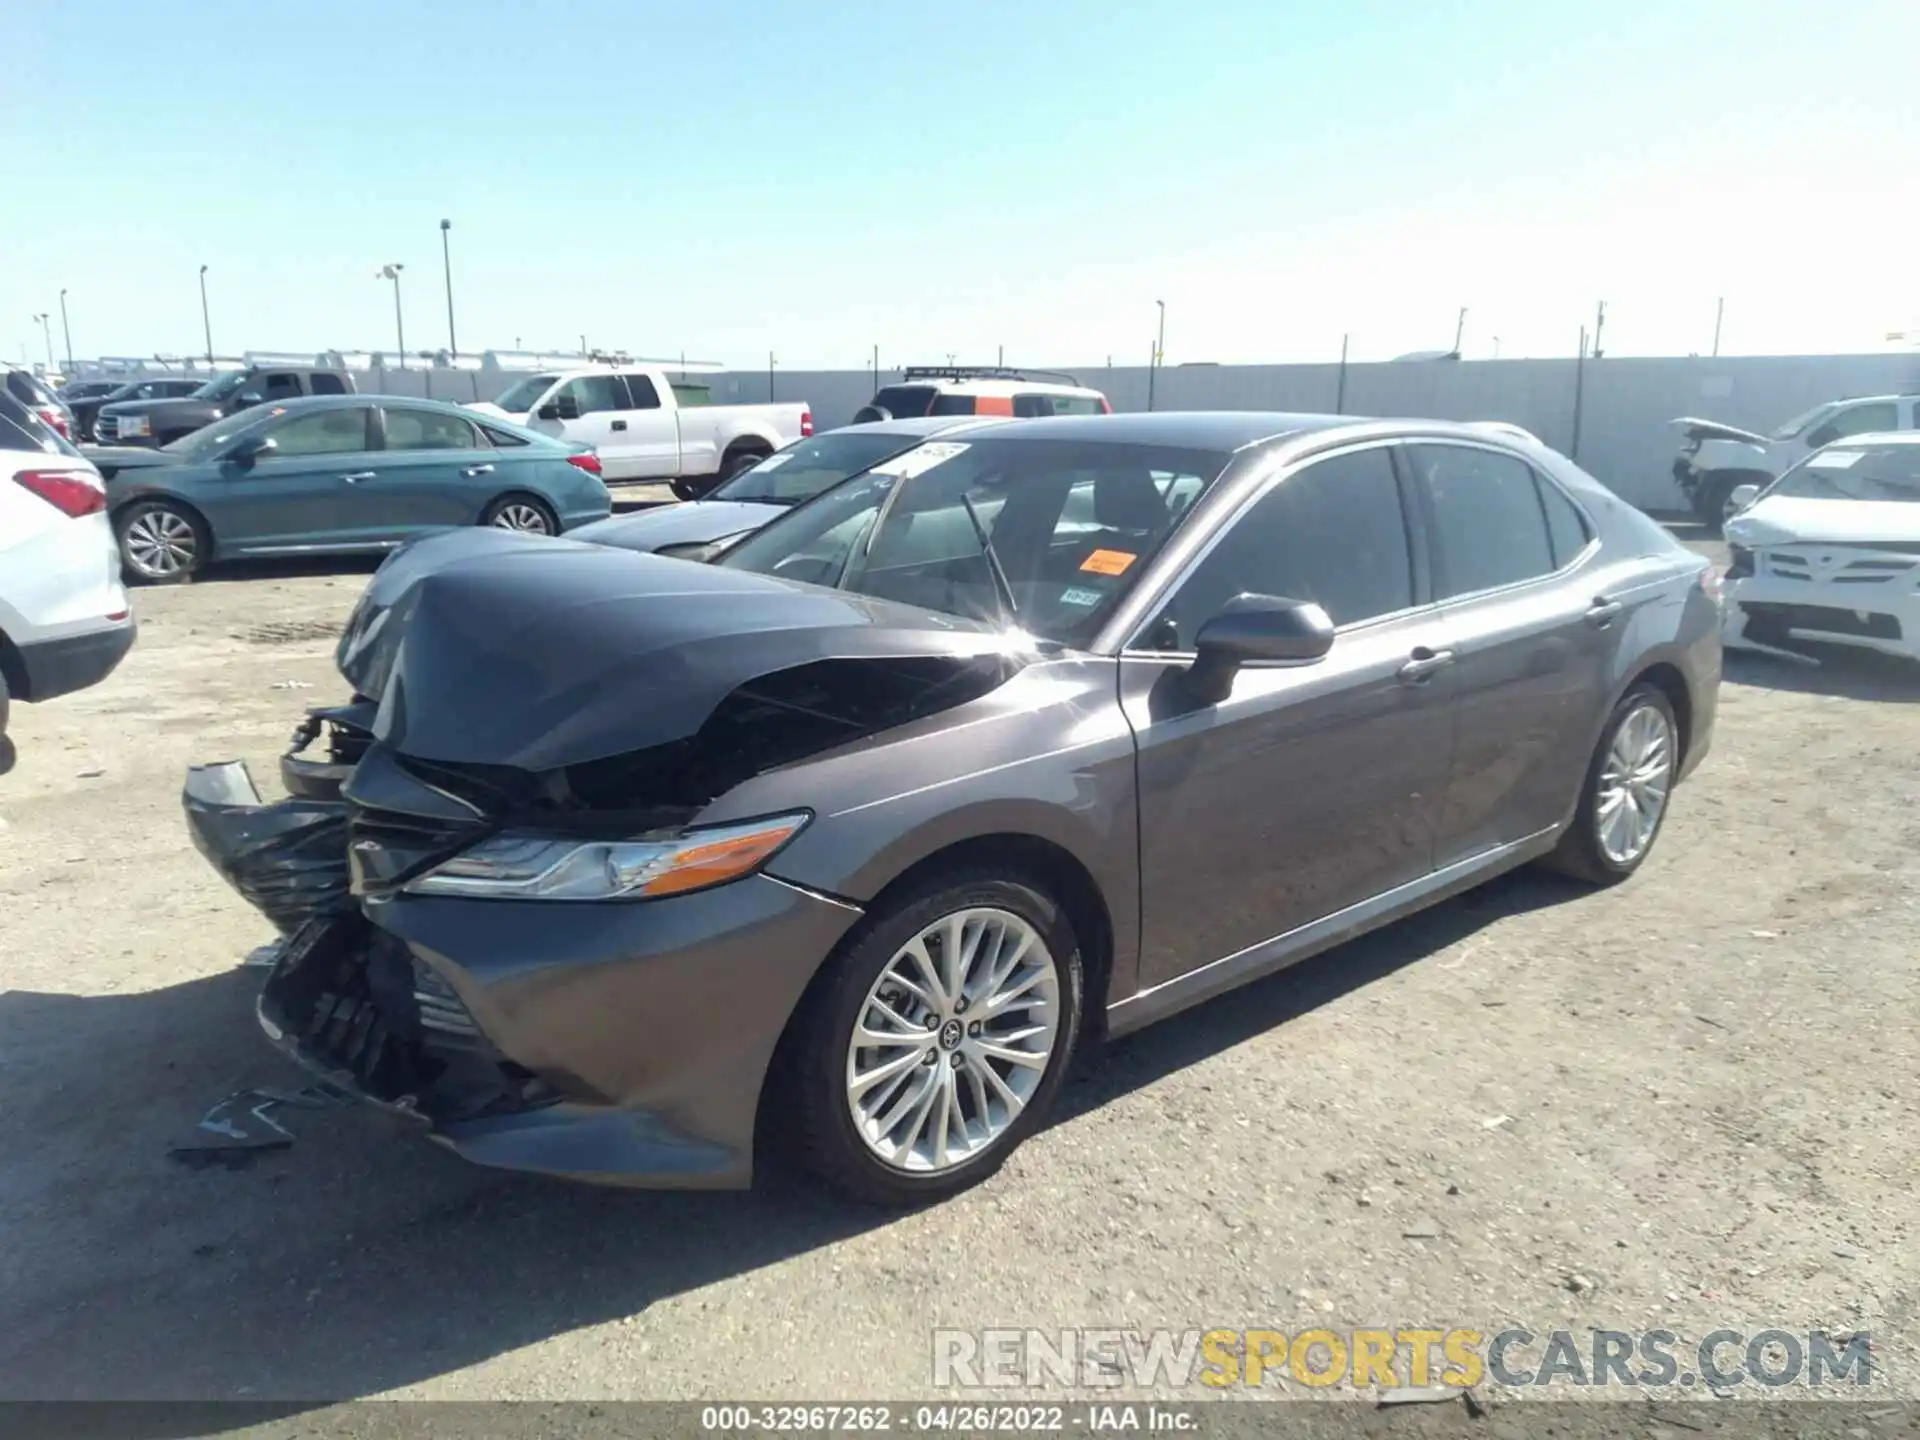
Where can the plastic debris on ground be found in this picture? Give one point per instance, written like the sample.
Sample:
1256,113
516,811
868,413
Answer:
234,1131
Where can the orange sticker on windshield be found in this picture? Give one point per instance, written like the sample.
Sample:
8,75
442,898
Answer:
1108,562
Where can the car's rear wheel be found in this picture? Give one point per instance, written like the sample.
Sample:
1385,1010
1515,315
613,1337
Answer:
737,460
161,543
937,1040
1627,787
523,513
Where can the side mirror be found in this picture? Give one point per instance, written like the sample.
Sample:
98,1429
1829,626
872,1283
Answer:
251,449
1742,497
1255,627
871,414
564,407
1825,435
247,398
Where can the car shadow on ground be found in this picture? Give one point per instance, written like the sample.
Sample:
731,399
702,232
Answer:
360,1260
1839,670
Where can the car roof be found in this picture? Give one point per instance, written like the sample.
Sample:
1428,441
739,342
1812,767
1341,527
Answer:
335,402
947,386
1195,429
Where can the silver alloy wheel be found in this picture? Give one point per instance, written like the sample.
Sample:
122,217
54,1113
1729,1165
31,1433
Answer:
517,515
953,1039
1634,784
161,544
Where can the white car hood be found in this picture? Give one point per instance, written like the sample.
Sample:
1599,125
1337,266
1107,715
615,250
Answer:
1787,520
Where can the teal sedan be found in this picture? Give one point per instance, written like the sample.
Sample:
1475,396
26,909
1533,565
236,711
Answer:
338,474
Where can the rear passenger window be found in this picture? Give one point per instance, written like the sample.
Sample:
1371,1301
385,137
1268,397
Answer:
502,439
325,384
1565,528
427,430
645,397
1333,534
1489,528
952,405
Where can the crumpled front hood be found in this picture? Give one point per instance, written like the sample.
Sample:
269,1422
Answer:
486,647
1694,428
1788,520
695,523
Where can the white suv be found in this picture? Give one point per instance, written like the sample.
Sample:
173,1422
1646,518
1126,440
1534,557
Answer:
64,618
981,390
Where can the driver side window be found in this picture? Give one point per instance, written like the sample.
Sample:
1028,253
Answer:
1855,420
592,394
280,387
1334,534
324,432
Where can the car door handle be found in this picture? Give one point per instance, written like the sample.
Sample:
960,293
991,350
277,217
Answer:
1602,612
358,476
473,470
619,424
1424,663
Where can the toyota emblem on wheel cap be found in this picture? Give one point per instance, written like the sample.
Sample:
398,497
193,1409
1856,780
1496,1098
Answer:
950,1035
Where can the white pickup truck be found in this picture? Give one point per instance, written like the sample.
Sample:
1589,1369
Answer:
647,426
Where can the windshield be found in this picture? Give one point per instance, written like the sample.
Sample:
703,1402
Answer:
1800,422
221,386
1073,524
1884,472
518,397
803,470
210,438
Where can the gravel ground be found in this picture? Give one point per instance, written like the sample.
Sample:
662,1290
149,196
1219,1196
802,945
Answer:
1684,1103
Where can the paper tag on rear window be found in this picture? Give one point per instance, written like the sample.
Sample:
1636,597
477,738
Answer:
1834,459
919,459
1108,562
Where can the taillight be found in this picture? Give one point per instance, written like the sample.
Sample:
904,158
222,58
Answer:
806,422
588,462
71,492
56,420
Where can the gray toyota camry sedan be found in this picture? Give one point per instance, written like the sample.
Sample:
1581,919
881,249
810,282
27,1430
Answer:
620,867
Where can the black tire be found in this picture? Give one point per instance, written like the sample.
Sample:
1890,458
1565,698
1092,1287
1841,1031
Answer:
507,510
821,1136
734,461
144,520
1580,852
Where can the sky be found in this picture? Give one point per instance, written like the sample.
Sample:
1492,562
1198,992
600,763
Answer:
725,180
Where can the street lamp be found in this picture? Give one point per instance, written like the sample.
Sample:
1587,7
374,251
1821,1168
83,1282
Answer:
446,258
1159,351
46,331
205,323
66,331
392,272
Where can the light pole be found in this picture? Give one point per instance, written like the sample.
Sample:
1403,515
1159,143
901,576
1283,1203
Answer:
446,259
1159,351
46,331
392,272
66,330
205,323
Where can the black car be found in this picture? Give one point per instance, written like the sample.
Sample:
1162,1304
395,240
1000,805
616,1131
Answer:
87,407
161,421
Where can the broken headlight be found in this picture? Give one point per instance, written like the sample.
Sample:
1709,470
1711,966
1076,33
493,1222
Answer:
519,865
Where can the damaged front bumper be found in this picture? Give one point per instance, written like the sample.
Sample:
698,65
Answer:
622,1041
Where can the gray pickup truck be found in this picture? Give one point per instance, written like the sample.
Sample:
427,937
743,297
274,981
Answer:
157,422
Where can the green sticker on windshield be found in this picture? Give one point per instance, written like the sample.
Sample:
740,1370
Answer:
1078,596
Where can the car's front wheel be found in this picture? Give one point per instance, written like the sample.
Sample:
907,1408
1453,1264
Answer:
1628,783
161,543
937,1040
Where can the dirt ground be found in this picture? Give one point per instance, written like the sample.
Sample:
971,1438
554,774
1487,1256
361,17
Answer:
1687,1102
